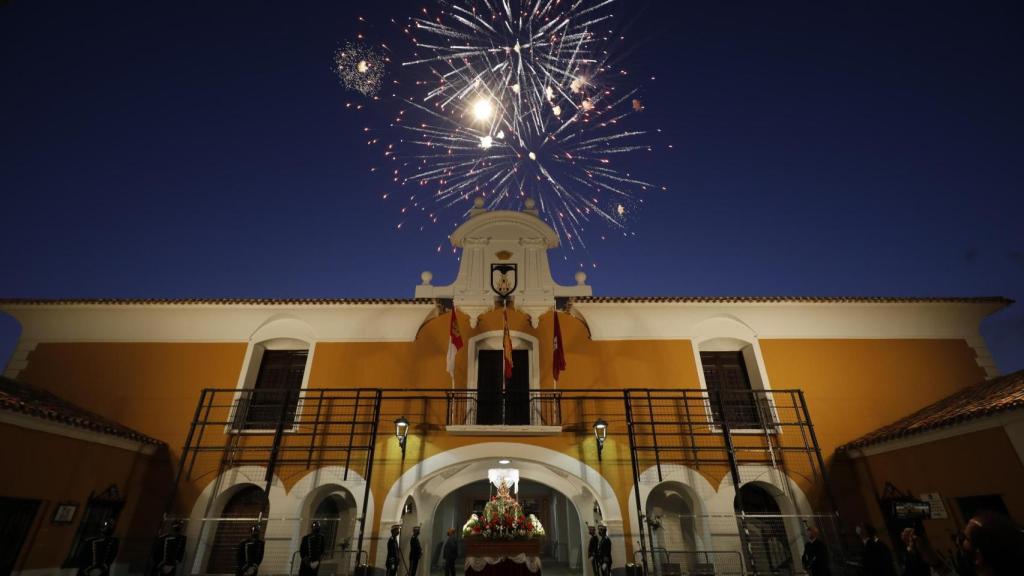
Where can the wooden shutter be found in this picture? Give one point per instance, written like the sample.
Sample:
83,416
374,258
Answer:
276,390
725,374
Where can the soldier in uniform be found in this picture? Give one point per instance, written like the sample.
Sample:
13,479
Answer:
592,550
169,550
98,553
415,551
250,553
311,551
392,560
604,551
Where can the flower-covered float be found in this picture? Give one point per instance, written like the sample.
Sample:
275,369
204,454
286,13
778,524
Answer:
502,529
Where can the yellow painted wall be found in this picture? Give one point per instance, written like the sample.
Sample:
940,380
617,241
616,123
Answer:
852,386
54,469
976,464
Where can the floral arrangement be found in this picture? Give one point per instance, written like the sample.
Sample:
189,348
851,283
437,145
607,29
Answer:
503,518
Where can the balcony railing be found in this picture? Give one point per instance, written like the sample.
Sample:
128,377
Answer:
504,408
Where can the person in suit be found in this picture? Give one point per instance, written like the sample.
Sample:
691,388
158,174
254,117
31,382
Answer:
415,551
311,551
592,550
97,554
391,563
249,554
876,558
815,557
604,551
169,550
913,555
450,552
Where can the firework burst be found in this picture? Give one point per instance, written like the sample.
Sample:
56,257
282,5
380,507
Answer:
517,105
360,68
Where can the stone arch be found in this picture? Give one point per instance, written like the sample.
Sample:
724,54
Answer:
323,483
215,496
431,479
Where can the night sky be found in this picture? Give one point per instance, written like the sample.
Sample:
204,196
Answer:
203,149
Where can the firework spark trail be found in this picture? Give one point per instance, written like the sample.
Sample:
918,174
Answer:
519,106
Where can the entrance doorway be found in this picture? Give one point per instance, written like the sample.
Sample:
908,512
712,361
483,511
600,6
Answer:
16,518
767,541
494,408
562,549
237,518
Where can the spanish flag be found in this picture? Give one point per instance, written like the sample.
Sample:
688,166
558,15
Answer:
558,351
507,346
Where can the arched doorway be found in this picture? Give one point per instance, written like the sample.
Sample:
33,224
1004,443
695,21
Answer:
562,549
763,529
676,530
238,515
335,509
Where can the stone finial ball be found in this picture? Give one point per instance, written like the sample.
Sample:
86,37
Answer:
426,276
581,277
530,203
478,203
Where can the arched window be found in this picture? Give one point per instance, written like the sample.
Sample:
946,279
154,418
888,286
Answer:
731,372
239,514
273,377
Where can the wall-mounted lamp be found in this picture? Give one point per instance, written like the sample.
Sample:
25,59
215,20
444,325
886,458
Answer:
402,433
600,432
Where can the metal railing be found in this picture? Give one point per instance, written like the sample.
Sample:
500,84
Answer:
696,562
504,408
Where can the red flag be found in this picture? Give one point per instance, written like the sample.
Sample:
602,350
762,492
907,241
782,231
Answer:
454,343
507,346
558,359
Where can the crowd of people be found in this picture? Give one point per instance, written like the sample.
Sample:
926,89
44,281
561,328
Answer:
990,545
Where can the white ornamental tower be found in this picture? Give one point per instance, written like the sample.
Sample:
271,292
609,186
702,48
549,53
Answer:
503,252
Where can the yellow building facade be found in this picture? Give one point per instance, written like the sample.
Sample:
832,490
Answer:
700,395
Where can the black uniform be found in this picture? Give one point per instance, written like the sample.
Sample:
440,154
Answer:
311,551
415,553
250,556
815,558
168,552
450,552
392,561
97,555
604,555
877,558
592,553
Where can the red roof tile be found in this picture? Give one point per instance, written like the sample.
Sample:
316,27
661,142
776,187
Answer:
26,399
213,301
984,399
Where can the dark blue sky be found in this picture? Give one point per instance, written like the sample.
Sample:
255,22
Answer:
195,149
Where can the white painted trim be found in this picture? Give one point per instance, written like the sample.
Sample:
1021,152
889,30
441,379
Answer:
68,431
994,421
492,340
563,470
729,334
280,333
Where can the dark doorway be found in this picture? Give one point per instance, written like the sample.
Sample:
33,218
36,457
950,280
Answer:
245,505
16,517
492,407
765,531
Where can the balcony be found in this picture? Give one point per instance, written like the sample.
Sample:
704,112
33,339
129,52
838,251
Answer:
504,413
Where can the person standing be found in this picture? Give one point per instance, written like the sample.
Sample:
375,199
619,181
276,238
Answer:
169,551
815,557
97,554
415,551
392,560
914,563
604,551
877,559
592,550
995,543
250,553
450,552
311,551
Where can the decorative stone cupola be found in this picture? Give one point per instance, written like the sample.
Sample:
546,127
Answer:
503,251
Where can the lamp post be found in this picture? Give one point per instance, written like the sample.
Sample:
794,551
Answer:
601,433
402,433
